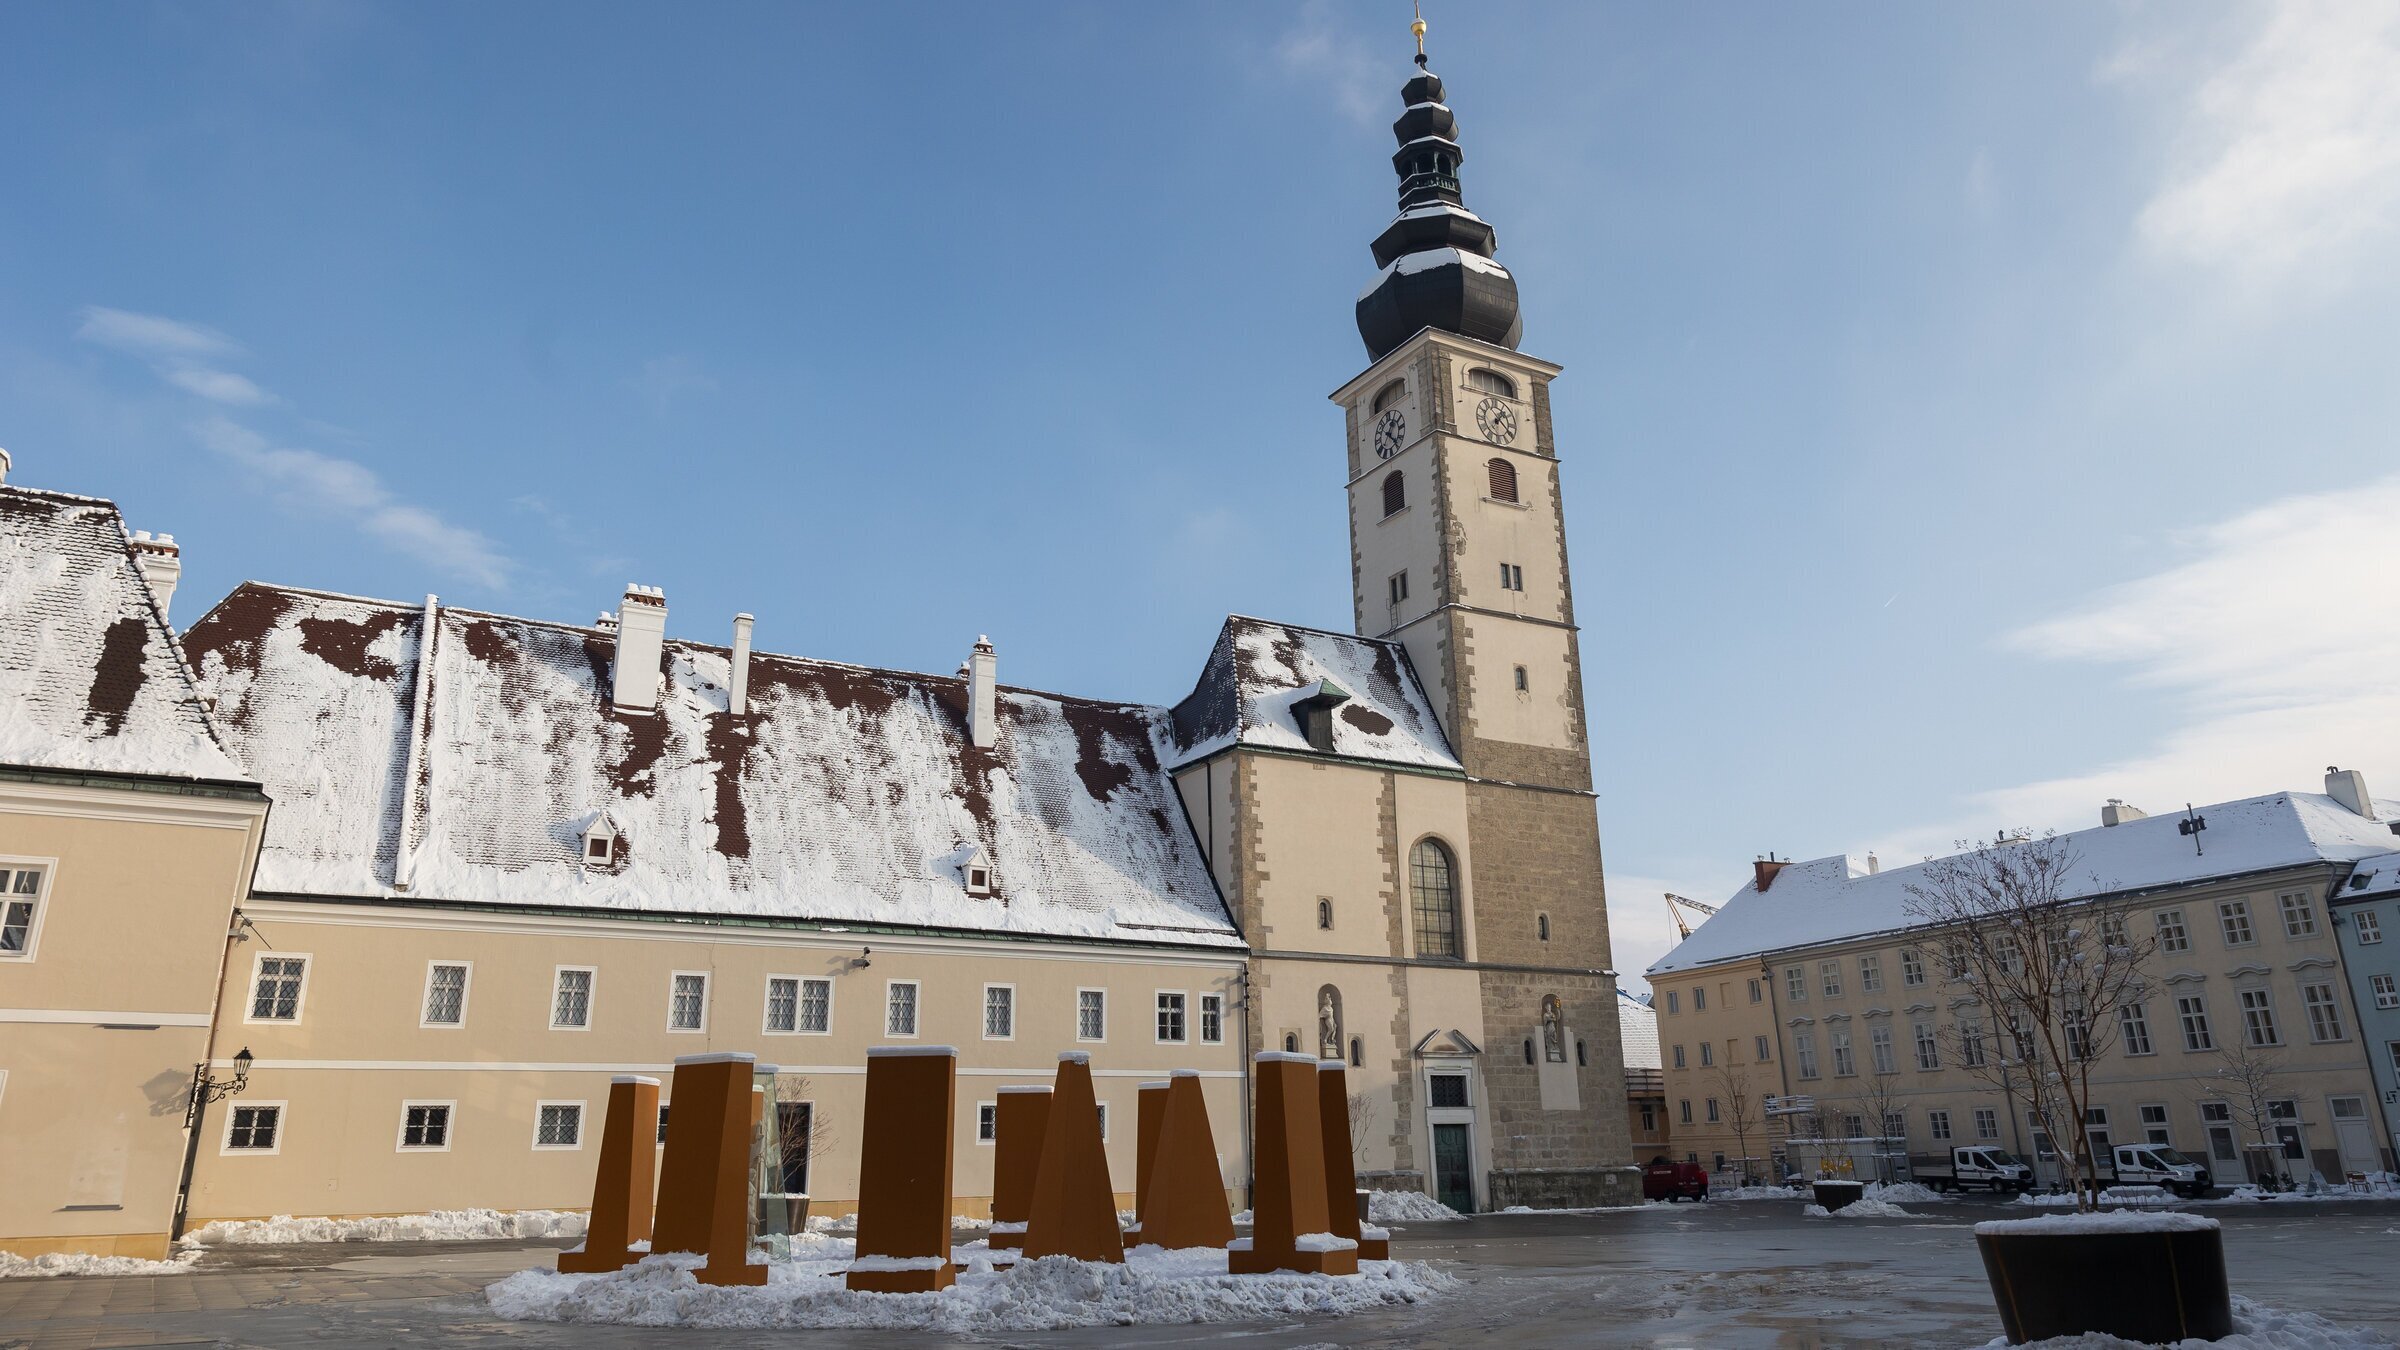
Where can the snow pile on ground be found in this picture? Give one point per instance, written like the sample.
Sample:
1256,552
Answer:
1572,1209
2136,1197
1754,1193
1153,1287
442,1225
2255,1327
1407,1207
13,1266
1904,1193
1865,1207
2372,1190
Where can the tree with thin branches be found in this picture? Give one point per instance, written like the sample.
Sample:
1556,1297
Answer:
2248,1079
1879,1099
2050,967
1740,1114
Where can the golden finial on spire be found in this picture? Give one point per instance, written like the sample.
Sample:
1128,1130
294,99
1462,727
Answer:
1417,26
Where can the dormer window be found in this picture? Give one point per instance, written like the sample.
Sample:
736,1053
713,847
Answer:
596,848
600,842
974,868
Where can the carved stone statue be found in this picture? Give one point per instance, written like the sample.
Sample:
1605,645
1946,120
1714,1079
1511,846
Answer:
1329,1023
1554,1034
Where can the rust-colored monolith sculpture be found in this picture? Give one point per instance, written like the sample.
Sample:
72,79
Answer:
904,1171
1074,1207
1020,1124
704,1180
1149,1103
1289,1229
1187,1184
621,1189
1341,1170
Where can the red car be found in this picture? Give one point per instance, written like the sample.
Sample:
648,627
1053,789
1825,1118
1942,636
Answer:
1664,1180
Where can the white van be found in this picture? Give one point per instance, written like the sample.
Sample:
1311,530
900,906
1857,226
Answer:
2158,1165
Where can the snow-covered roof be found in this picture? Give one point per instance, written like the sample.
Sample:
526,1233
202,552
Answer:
1259,670
90,676
1637,1027
1408,264
2372,878
839,798
1834,899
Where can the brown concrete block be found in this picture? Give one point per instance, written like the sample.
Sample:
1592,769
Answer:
1289,1228
704,1181
1341,1171
1150,1102
1020,1125
627,1174
1074,1206
1187,1188
904,1171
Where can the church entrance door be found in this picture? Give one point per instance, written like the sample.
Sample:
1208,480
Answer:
1453,1168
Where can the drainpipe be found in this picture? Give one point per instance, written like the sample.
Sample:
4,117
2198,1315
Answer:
196,1107
1249,1164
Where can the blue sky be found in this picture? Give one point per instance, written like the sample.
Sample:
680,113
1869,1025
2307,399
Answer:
1971,412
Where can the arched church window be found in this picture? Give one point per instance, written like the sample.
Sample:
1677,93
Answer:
1529,1050
1580,1061
1541,926
1358,1052
1324,914
1503,477
1395,492
1291,1043
1433,890
1389,395
1490,381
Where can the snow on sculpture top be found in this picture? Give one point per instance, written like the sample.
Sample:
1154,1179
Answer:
841,796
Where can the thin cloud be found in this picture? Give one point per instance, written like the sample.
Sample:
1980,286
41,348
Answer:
2288,164
185,355
342,489
219,386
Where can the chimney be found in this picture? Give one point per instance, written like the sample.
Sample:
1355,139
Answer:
2349,787
2117,813
160,563
1764,871
737,694
983,704
3,466
641,641
1874,865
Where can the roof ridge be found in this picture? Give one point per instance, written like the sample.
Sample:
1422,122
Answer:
55,495
1312,628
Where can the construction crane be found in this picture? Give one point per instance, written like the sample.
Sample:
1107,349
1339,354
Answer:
1677,914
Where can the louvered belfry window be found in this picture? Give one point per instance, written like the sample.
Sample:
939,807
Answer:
1395,492
1503,476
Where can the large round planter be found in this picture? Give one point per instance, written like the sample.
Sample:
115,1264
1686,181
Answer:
2149,1286
1834,1195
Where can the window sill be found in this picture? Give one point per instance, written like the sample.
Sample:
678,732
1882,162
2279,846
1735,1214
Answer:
1503,501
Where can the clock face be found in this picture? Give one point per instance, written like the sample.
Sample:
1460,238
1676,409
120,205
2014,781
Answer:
1496,420
1389,429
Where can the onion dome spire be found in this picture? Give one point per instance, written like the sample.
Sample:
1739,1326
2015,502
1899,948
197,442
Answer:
1436,255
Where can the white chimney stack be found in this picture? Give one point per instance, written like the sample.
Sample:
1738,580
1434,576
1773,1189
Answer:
1874,864
983,701
641,641
2118,812
160,562
3,466
2349,787
737,694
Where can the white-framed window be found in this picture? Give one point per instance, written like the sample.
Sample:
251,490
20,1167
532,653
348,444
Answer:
1674,1002
1212,1019
1708,1054
2324,1013
1970,1043
571,997
2134,1020
1804,1053
1845,1064
1684,1110
2172,935
1938,1123
2233,917
446,994
2299,914
1830,974
1512,577
278,985
1764,1049
1758,990
1091,1014
687,1001
816,1007
1397,586
1870,974
1879,1041
1714,1116
1171,1028
2154,1123
557,1125
2370,928
1795,984
1679,1057
987,1122
24,887
2112,931
1699,998
1912,969
2387,993
783,1005
2192,1012
1929,1048
1104,1122
253,1128
662,1123
900,1008
2258,1018
425,1127
999,1012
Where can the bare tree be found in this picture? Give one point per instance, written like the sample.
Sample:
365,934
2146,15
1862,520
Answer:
1879,1099
1363,1112
803,1133
1740,1112
2248,1079
2051,973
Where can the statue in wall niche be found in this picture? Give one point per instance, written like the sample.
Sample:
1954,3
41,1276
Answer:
1554,1033
1329,1023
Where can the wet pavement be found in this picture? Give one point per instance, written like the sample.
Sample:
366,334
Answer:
1757,1273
